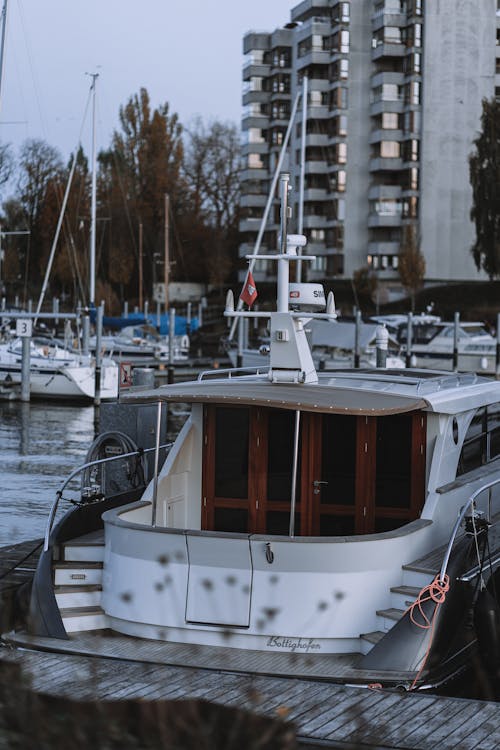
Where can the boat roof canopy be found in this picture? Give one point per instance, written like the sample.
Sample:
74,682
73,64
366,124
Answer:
253,392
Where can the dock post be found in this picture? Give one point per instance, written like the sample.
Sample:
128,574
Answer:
456,324
497,358
85,333
357,328
55,309
239,356
16,301
381,340
125,309
171,344
98,338
409,339
25,369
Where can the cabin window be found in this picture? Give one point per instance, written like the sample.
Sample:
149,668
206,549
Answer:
393,472
482,441
231,453
356,474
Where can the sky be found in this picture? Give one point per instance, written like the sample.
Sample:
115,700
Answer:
184,52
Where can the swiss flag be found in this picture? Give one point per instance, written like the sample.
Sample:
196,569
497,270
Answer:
249,293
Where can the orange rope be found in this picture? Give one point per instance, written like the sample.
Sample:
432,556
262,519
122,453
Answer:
435,591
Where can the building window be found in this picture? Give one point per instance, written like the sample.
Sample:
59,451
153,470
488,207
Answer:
387,207
318,264
390,149
338,181
317,235
390,121
341,13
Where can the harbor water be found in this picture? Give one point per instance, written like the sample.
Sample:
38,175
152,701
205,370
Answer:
39,445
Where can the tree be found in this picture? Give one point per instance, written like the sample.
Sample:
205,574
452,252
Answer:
411,263
484,173
142,165
212,168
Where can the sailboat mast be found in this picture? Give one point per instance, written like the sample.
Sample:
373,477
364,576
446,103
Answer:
95,76
300,226
2,48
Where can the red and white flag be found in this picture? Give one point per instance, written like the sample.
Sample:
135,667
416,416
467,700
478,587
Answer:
249,293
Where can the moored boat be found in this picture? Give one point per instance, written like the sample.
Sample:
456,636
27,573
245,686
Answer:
347,516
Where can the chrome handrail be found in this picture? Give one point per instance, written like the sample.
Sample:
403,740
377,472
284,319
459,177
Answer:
81,468
460,518
231,372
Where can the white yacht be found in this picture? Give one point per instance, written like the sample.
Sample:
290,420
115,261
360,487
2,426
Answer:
344,520
57,372
142,344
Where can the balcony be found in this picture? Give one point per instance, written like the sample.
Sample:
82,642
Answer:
255,70
388,49
254,121
387,105
302,8
386,135
251,97
385,220
382,18
316,194
388,192
250,225
317,139
381,164
383,248
313,57
254,200
314,221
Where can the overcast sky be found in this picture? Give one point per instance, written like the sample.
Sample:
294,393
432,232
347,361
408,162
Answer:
185,52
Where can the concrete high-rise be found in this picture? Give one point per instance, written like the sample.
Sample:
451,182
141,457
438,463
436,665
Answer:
394,104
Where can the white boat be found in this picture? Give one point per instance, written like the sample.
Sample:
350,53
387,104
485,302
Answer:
142,344
433,341
345,520
56,372
332,347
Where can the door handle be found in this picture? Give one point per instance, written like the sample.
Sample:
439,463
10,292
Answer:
316,485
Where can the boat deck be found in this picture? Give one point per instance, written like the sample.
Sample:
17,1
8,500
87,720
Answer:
323,714
331,667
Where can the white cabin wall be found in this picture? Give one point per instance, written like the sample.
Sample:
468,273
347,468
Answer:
179,481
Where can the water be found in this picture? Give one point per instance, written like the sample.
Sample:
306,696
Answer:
40,444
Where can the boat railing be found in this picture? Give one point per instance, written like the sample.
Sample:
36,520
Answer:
469,506
79,470
233,372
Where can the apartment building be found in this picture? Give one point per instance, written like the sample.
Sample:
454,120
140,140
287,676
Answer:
394,103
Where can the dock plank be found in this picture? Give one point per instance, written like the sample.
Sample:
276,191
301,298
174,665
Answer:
321,712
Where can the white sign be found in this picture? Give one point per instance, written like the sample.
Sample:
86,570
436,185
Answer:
159,293
24,327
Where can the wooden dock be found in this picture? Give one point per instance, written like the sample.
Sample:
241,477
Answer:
323,714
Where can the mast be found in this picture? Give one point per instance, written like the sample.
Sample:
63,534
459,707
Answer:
300,226
2,48
94,77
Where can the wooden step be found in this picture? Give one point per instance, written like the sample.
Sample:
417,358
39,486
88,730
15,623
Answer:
86,547
391,613
368,640
77,574
88,595
410,591
79,619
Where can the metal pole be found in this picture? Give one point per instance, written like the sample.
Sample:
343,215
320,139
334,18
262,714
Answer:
456,324
95,76
409,339
85,334
140,266
295,465
300,223
239,356
381,340
497,359
357,328
98,338
171,344
156,464
283,266
2,51
125,309
55,309
188,318
25,369
167,250
146,310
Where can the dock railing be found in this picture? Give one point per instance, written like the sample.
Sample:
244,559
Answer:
469,506
80,469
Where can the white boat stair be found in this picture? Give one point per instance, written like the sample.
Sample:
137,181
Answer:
78,583
416,575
